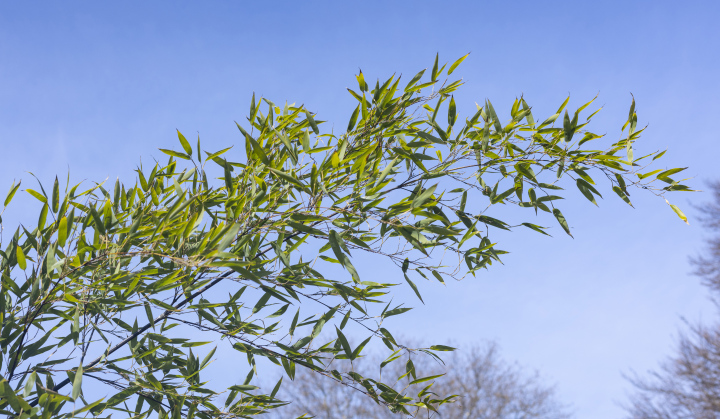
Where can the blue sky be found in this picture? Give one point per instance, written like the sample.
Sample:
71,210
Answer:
96,86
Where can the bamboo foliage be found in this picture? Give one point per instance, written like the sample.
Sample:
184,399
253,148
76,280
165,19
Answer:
102,293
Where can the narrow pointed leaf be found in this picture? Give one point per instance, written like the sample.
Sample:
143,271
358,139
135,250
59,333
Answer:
185,144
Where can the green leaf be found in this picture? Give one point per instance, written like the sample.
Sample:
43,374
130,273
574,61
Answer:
560,109
678,212
396,311
414,288
420,199
43,217
434,73
305,229
21,258
528,116
257,149
11,193
335,240
657,156
228,179
185,144
353,119
62,232
208,357
55,195
345,344
217,153
493,115
385,172
286,177
261,302
345,319
618,190
306,141
276,388
426,136
359,349
493,222
77,382
442,348
175,154
37,195
321,322
457,63
586,190
8,394
536,228
361,82
569,126
424,379
312,122
580,172
452,111
414,80
294,322
525,170
29,384
99,225
664,175
243,387
562,221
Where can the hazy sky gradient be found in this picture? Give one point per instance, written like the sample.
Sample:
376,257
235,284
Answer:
96,86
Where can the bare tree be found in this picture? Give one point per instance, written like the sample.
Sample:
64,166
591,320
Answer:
708,266
687,384
486,385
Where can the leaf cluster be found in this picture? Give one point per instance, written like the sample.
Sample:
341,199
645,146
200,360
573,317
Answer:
112,282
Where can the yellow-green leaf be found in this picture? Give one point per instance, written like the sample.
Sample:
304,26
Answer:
21,258
679,213
422,380
175,154
457,63
185,144
452,111
37,195
62,232
11,193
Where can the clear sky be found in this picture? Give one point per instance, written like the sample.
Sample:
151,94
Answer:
95,86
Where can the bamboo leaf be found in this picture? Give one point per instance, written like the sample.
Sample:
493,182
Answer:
344,343
424,379
414,288
62,232
678,212
335,240
37,195
21,258
457,63
185,144
175,154
11,193
77,382
562,221
55,195
312,122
